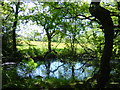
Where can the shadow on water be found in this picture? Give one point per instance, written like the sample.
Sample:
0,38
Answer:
57,69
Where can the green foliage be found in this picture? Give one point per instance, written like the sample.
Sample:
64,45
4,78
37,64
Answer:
57,83
66,22
9,19
30,63
27,66
44,38
12,80
32,51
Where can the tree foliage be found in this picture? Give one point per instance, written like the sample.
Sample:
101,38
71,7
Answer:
85,34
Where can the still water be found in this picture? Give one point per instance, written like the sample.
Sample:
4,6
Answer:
58,69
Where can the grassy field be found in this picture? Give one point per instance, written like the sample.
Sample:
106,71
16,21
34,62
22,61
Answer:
40,44
44,44
38,49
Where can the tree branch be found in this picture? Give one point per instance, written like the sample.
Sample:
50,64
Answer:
57,68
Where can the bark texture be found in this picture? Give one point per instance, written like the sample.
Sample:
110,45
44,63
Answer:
105,19
15,25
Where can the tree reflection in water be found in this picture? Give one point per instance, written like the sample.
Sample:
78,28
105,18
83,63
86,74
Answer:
57,69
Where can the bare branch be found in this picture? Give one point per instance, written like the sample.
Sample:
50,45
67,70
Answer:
57,68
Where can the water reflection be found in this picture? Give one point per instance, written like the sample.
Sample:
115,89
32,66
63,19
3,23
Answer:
57,69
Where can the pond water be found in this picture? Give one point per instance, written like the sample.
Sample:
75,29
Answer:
58,69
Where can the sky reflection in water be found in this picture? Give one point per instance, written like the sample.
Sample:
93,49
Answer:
59,70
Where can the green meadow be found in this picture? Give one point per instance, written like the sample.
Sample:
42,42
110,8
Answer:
43,46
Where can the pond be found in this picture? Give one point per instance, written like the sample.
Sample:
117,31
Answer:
57,69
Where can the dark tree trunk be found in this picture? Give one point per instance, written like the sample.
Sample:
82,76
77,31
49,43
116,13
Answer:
49,40
73,72
47,64
14,36
14,27
104,17
49,44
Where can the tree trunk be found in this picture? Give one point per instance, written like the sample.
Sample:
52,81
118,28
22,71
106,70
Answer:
14,27
104,17
73,72
49,44
49,40
14,37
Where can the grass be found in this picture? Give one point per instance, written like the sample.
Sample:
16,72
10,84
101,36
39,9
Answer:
40,44
38,48
43,46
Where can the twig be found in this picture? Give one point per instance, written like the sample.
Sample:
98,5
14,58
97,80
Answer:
57,68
